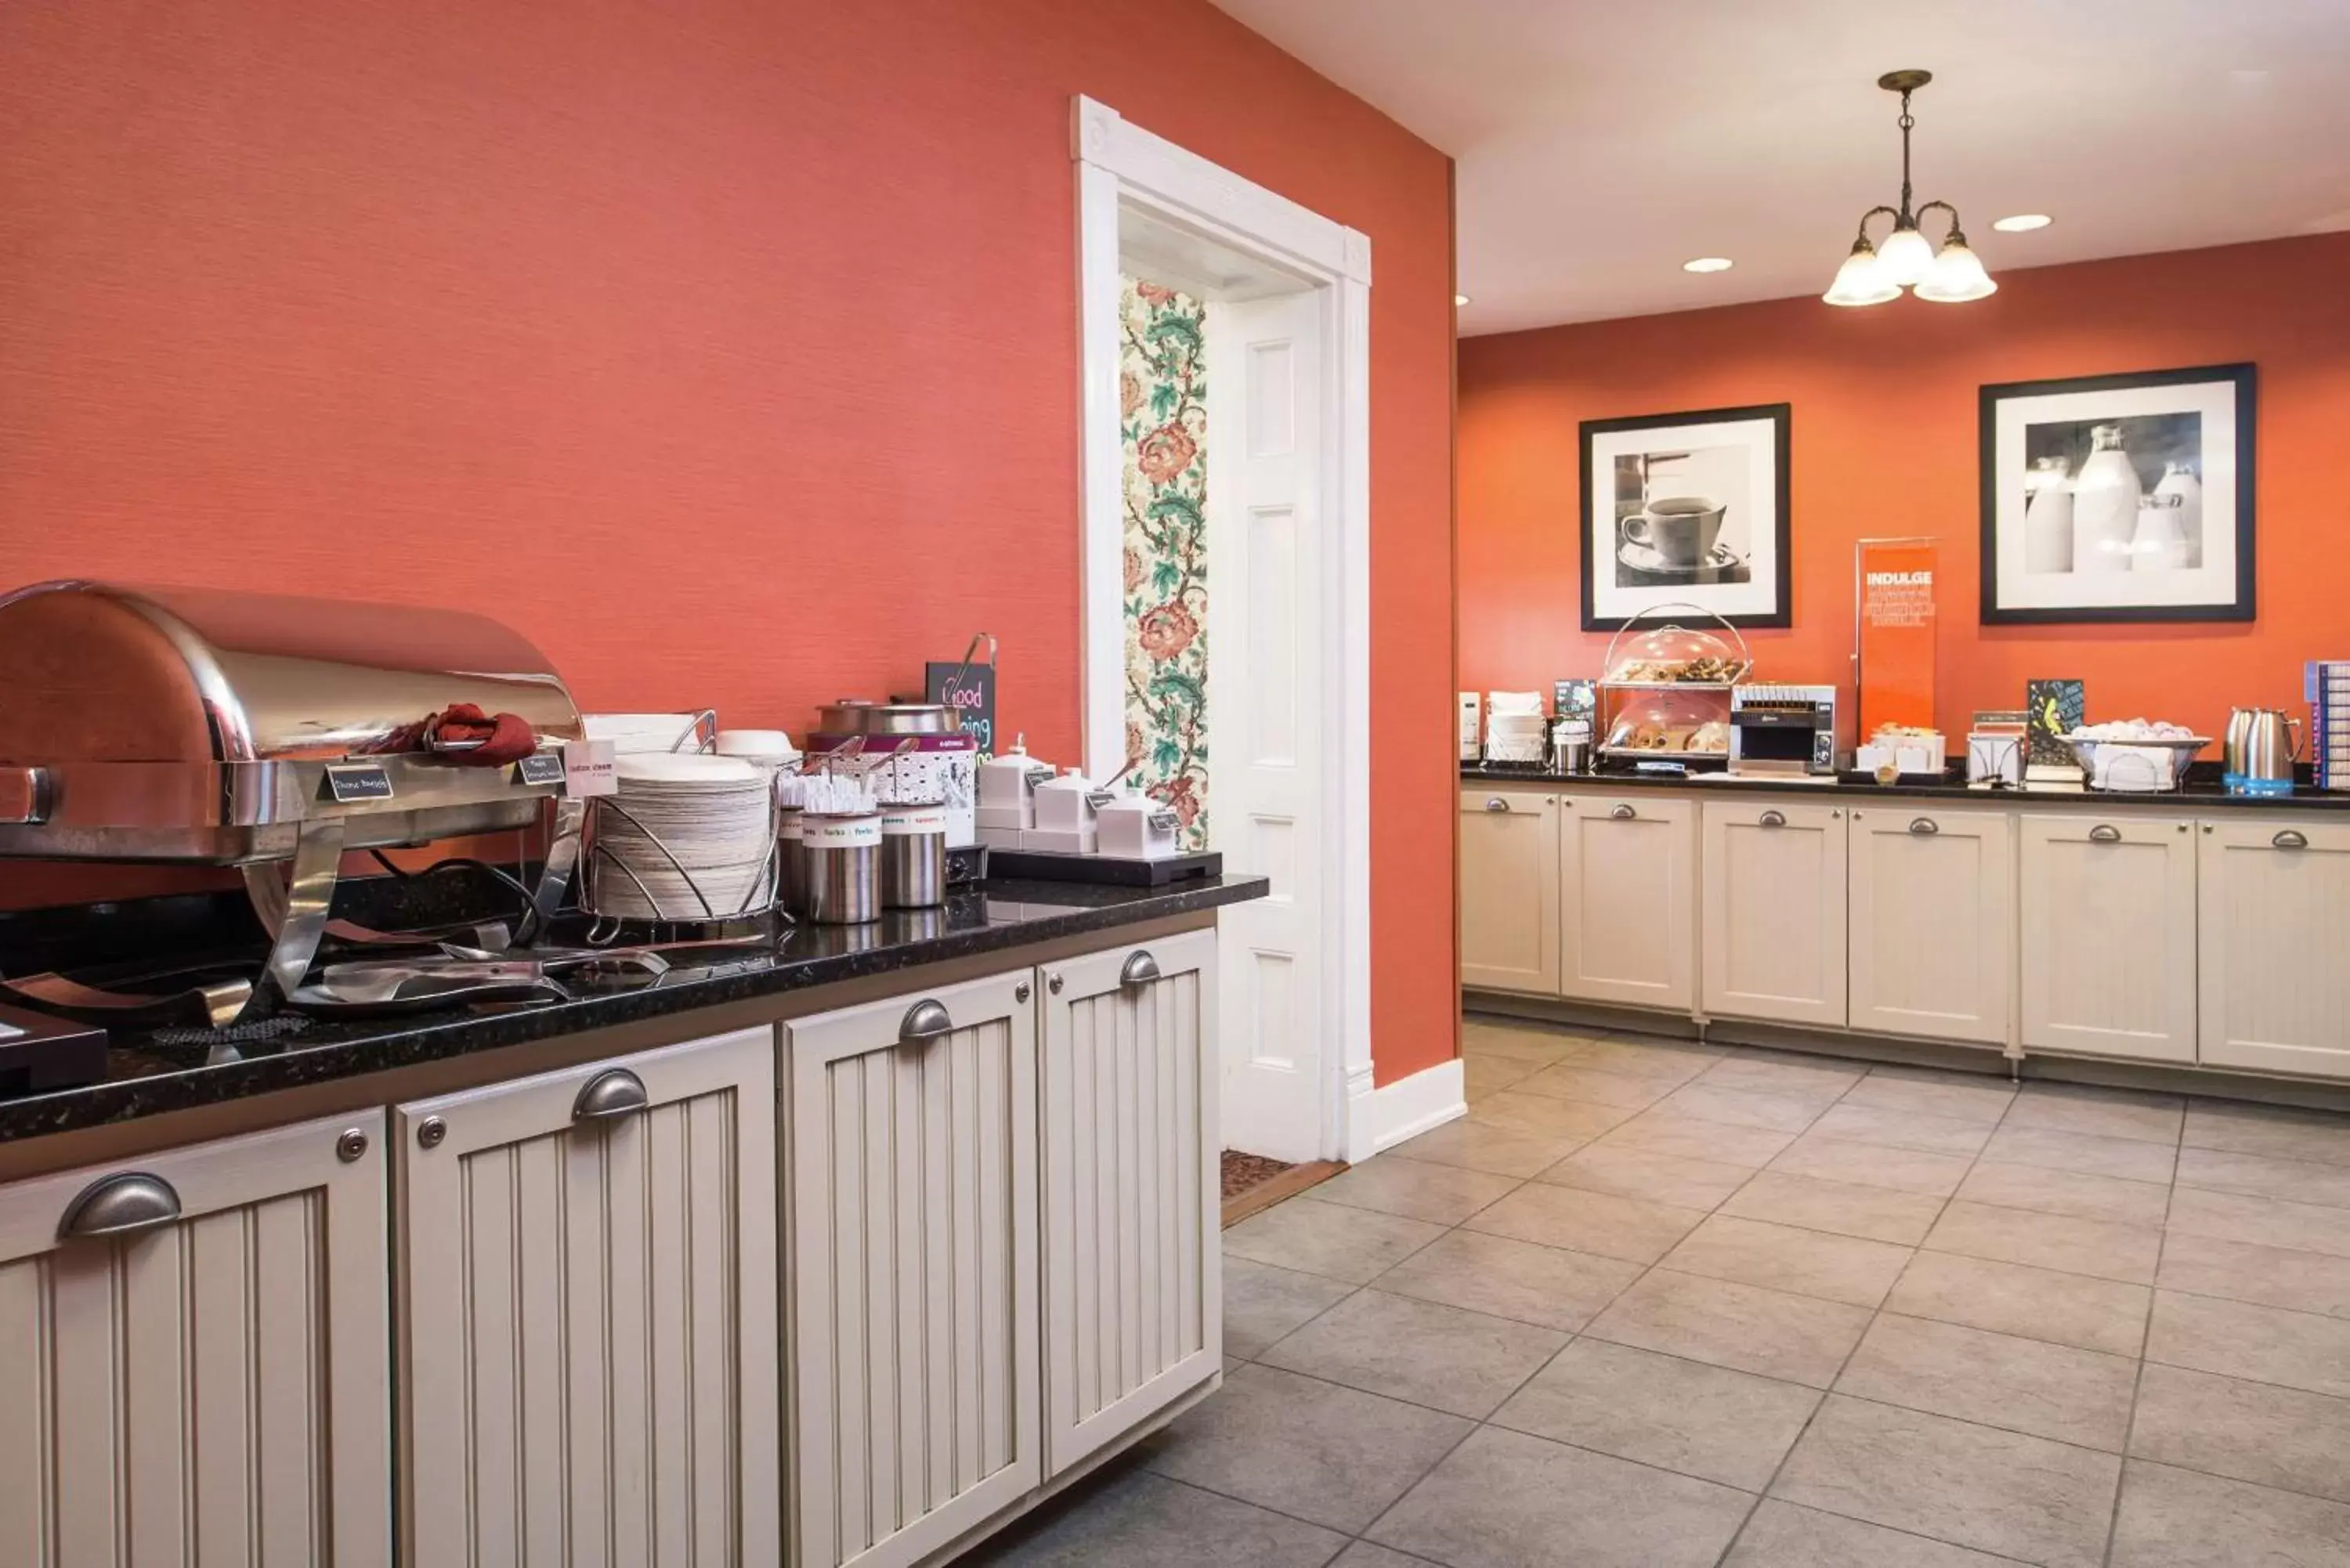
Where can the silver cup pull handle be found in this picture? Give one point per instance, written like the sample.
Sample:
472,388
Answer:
2289,839
121,1205
925,1021
1773,819
2106,833
1924,826
610,1095
1624,812
1140,969
1496,802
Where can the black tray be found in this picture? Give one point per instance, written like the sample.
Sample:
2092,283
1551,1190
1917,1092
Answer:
1051,865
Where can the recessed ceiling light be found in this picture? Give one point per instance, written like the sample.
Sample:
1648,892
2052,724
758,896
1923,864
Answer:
2022,222
1708,263
1458,300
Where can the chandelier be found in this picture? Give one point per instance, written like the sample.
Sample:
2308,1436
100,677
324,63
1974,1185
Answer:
1872,274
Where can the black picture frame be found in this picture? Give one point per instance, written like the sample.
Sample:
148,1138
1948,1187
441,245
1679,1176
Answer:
2244,380
1781,416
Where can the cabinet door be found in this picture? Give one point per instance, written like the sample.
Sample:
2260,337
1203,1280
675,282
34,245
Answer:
913,1275
1133,1295
1509,891
210,1384
2108,909
1628,870
2275,898
1773,934
588,1330
1933,923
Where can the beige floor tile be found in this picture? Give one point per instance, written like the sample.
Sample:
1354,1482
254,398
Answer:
1706,1421
1138,1519
2248,1271
1263,1303
1369,1554
1994,1379
2034,1304
2265,1176
1481,1146
2273,1130
1694,1138
1646,1056
2238,1339
1777,1109
2003,1493
1844,1207
1963,1096
1816,1077
1647,1173
1874,1165
1505,1277
2177,1519
1328,1239
1903,1129
2270,1221
1597,1086
1632,1229
1799,1339
1393,1184
2073,1192
2124,1252
2109,1112
2054,1148
1484,1075
1547,1116
1504,1500
1427,1353
2250,1431
1521,1042
1782,1535
1783,1257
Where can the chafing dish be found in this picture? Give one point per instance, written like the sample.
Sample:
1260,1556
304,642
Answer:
194,726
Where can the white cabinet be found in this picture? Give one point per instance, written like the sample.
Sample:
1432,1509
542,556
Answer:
588,1333
1133,1298
2275,898
1772,934
1627,879
911,1269
1933,921
2107,918
1509,891
209,1383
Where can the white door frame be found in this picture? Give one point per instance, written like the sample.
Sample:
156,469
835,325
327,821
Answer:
1121,165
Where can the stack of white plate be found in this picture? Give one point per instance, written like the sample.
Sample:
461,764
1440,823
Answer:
1514,737
715,817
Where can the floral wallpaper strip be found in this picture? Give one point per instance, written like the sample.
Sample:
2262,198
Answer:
1162,388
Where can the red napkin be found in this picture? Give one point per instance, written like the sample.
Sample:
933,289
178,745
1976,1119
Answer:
504,738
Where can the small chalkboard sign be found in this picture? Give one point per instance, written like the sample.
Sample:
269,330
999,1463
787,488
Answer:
973,697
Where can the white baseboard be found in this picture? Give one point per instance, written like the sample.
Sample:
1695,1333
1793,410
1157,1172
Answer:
1410,1106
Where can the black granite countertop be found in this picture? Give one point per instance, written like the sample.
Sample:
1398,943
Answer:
153,1072
2196,796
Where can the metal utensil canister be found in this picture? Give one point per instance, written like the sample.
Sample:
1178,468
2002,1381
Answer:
914,857
791,861
842,855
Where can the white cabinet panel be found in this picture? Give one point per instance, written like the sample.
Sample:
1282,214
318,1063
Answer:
912,1279
2275,896
1627,875
1509,891
1933,921
1133,1297
2108,913
1773,930
589,1331
213,1389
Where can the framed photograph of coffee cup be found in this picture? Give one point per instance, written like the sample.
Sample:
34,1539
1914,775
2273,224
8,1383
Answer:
2119,498
1687,509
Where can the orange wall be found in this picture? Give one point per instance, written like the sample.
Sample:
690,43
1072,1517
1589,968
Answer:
727,349
1883,443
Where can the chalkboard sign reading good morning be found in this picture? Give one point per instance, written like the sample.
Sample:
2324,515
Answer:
973,696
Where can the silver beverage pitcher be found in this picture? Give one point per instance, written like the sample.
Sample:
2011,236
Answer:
2271,742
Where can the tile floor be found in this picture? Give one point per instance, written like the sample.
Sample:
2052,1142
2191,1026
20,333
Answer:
1656,1304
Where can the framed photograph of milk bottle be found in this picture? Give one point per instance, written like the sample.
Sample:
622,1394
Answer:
1687,509
2119,498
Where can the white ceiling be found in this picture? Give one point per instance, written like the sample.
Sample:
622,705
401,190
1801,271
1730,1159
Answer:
1601,143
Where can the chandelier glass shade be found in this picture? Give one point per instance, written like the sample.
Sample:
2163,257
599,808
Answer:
1875,273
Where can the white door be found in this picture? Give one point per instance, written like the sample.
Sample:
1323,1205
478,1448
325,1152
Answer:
2107,918
1627,888
1772,935
588,1331
1933,923
1509,891
209,1383
1133,1282
2276,992
912,1280
1272,591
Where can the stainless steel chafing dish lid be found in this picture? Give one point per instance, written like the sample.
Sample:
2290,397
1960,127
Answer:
198,724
